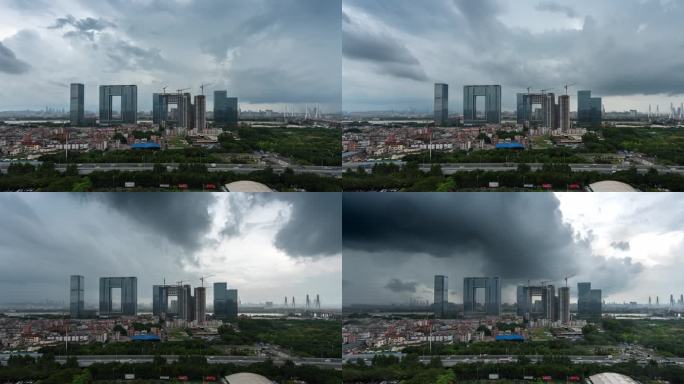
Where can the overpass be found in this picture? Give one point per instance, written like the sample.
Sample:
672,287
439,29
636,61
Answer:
451,168
86,360
87,168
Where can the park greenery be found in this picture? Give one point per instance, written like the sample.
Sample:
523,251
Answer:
664,336
305,146
409,370
409,178
195,176
547,156
195,368
556,347
666,145
185,347
308,338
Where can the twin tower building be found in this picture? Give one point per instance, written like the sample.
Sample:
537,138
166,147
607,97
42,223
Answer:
119,297
168,109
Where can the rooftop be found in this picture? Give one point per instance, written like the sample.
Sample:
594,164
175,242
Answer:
611,186
611,378
247,378
247,186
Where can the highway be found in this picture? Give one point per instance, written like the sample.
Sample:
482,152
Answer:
452,360
85,361
87,168
451,168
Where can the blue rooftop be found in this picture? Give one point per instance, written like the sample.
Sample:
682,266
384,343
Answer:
512,145
145,338
513,337
145,146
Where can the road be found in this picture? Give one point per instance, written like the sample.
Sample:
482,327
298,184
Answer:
504,359
85,361
451,168
87,168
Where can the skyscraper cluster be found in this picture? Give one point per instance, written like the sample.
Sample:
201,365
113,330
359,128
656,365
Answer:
441,295
175,110
589,302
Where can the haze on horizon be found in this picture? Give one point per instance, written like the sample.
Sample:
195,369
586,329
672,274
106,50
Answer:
268,53
265,245
628,245
627,52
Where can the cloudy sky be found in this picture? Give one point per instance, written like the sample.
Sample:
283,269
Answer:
629,52
266,52
629,245
265,245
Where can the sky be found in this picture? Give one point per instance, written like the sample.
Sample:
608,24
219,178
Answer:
268,53
628,52
629,245
265,245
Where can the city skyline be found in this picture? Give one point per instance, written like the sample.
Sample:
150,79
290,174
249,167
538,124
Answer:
231,44
393,51
265,245
626,245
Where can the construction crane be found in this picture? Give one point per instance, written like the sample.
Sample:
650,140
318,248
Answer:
181,90
568,277
202,87
164,88
566,87
181,282
202,278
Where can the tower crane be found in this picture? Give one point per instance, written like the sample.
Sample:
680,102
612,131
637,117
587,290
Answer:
181,90
566,87
164,88
202,87
202,278
566,279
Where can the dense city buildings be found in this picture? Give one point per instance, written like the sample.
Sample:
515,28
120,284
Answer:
180,116
200,305
441,104
564,304
492,104
537,302
174,301
76,296
128,109
492,296
76,104
127,287
226,301
441,299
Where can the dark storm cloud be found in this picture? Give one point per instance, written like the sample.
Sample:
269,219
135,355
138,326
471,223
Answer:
612,47
505,232
362,44
396,285
314,228
620,245
518,237
183,220
9,62
552,6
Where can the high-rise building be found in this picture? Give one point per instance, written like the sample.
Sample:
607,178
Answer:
538,302
225,301
77,101
76,296
537,109
129,104
492,295
564,112
200,304
441,295
589,302
183,307
225,109
589,109
564,304
492,104
441,104
181,117
129,296
200,113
